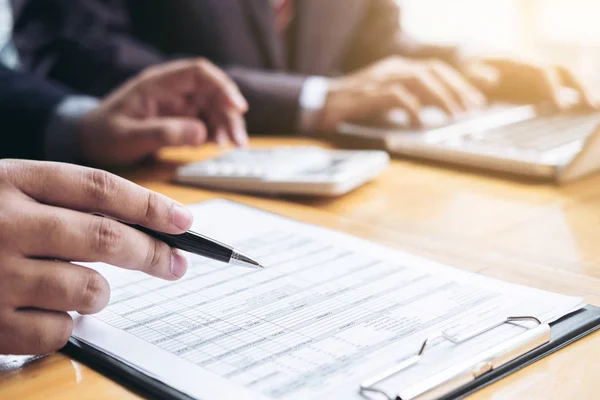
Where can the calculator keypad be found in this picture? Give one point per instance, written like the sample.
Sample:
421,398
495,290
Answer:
297,170
264,163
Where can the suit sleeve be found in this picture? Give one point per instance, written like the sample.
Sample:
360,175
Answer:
380,35
90,46
86,45
273,98
26,106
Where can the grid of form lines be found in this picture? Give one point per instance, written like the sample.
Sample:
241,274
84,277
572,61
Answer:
284,328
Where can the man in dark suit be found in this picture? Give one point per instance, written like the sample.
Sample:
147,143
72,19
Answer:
303,65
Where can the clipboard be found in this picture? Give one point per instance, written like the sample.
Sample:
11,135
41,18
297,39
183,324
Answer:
543,340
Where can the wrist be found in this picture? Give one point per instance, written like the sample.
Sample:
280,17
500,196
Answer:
90,143
334,109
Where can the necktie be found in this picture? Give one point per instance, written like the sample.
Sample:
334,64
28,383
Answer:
284,14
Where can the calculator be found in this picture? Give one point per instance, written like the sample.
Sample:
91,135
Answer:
303,170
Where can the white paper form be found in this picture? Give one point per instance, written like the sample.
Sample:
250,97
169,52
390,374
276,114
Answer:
328,311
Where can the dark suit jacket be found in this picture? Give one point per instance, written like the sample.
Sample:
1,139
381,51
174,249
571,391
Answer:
26,103
94,44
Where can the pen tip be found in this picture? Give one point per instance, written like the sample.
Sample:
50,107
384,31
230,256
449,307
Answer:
243,260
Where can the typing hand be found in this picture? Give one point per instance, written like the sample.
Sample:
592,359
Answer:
398,83
45,222
174,104
526,82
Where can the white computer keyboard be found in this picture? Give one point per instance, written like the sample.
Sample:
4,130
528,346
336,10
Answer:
289,170
539,134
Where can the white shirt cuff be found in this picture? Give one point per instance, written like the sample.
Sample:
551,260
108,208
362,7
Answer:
312,100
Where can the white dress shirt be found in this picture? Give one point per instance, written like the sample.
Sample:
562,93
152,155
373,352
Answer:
8,54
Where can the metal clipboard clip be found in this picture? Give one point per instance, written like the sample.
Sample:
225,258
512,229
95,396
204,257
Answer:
457,376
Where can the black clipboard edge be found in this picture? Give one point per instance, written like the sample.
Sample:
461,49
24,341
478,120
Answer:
565,331
121,373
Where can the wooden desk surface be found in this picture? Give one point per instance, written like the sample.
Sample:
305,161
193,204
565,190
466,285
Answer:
524,232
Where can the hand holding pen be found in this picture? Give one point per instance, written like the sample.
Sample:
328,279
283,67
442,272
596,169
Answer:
46,223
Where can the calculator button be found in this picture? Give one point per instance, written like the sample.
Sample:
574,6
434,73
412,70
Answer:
226,169
256,171
242,170
209,168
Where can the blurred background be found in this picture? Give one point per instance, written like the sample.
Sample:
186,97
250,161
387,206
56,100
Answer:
561,31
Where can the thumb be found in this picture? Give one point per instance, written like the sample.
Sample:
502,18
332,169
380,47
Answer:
168,131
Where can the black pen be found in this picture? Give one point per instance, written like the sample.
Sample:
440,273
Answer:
204,246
